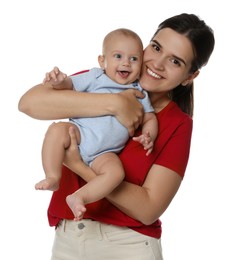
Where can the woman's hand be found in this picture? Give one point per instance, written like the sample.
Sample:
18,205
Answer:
46,103
129,111
74,161
72,156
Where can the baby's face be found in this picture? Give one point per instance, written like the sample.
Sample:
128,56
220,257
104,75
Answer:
122,59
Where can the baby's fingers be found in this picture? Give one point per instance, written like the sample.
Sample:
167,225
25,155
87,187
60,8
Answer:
149,148
56,70
47,78
149,151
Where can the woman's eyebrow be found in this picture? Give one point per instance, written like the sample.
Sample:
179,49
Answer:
176,57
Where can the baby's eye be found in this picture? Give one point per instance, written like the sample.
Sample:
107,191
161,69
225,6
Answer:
117,56
133,59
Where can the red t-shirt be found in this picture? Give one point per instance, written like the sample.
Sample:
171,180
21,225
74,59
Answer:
171,150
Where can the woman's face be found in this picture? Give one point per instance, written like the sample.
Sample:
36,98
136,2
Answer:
167,62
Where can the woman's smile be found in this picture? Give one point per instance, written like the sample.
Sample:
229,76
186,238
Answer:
153,74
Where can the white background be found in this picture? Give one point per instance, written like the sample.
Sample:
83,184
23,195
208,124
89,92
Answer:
35,36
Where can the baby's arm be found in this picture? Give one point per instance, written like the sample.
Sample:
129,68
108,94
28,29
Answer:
149,132
58,79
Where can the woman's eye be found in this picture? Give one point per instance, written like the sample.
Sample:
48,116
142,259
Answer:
155,46
175,62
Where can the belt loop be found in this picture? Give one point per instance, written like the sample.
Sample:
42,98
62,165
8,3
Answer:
62,225
99,230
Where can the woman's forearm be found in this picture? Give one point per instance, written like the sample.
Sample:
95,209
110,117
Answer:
44,102
131,199
148,202
145,203
134,201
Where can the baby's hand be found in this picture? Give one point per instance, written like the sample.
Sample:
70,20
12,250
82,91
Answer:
55,77
146,141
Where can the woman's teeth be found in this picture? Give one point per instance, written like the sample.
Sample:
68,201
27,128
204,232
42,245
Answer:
153,74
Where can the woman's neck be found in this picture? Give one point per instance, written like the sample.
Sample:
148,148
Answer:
159,101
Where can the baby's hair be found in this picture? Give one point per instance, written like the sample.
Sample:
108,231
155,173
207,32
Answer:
124,32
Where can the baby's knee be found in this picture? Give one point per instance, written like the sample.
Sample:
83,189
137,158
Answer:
58,129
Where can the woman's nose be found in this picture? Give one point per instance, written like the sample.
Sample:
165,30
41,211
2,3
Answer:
159,63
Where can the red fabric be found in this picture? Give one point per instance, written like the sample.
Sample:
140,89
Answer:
171,150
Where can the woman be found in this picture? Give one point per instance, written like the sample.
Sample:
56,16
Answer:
126,224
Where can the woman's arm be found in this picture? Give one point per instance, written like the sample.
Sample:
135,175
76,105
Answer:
44,102
145,203
148,202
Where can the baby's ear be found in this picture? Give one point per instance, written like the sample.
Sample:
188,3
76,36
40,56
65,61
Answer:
101,61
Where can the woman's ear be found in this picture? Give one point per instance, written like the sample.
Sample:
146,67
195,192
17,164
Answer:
190,78
101,61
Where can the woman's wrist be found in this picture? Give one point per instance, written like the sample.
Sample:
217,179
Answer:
110,105
84,171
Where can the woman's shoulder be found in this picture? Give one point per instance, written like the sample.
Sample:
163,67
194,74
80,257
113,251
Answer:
173,121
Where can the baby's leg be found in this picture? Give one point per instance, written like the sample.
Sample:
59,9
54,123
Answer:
56,141
109,174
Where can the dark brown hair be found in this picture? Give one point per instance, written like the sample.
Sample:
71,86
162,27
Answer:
202,39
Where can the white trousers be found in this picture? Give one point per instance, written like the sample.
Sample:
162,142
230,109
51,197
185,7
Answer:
92,240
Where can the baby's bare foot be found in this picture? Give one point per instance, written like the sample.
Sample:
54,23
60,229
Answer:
47,184
77,206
